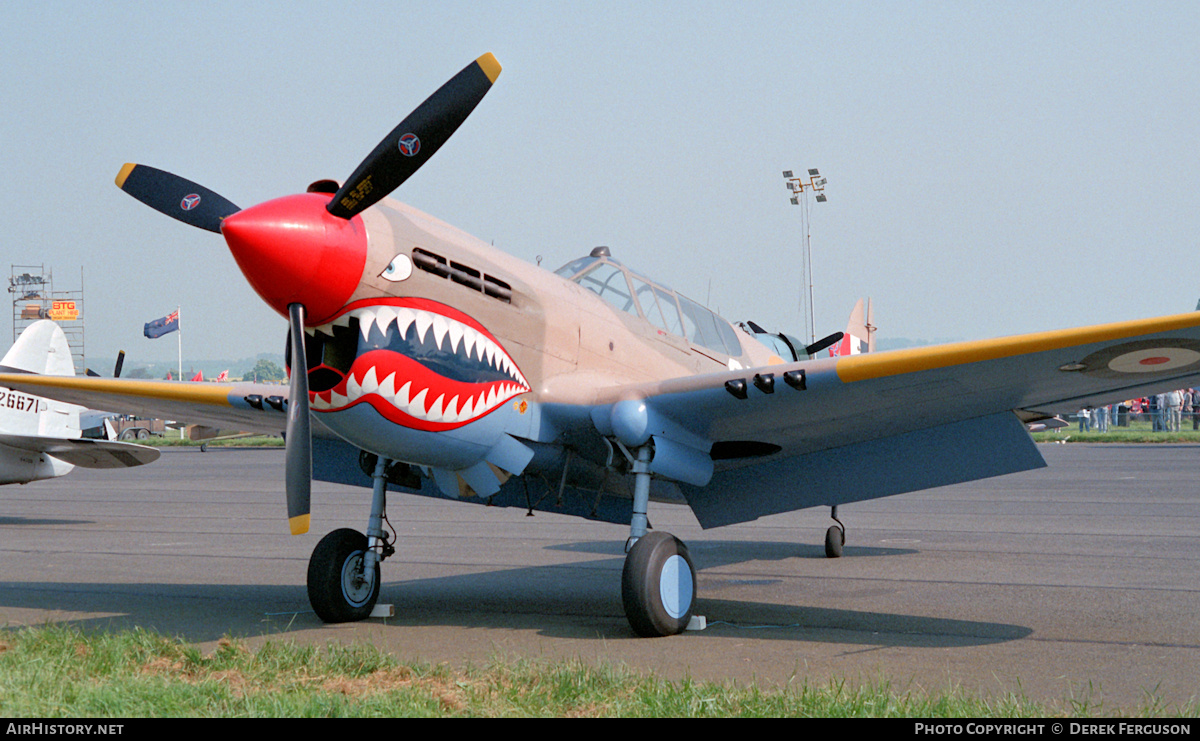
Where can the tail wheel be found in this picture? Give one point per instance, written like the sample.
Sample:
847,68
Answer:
658,585
337,589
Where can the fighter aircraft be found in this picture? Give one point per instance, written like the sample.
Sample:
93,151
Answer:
41,438
433,363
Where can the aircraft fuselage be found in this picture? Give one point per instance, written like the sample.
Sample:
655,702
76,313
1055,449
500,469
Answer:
446,343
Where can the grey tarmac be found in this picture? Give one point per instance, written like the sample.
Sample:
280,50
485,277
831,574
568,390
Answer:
1079,581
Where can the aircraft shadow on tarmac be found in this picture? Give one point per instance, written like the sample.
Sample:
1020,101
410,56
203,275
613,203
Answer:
712,553
573,600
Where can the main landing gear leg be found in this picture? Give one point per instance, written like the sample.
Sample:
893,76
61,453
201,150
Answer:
658,583
343,573
835,536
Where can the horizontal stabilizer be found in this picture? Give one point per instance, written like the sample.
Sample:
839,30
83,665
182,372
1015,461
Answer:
85,452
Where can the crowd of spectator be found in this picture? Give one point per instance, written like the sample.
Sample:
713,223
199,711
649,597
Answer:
1165,411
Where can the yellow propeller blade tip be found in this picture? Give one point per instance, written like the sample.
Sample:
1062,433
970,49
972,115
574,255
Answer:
489,65
124,173
299,524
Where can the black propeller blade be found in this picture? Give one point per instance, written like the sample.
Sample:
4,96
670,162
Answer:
299,440
415,140
174,196
824,342
116,368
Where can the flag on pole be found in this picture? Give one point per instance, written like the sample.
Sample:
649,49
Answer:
165,325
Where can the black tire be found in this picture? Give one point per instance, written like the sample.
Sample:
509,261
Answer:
143,433
658,586
332,590
835,538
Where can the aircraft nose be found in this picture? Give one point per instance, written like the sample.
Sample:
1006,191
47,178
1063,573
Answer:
293,251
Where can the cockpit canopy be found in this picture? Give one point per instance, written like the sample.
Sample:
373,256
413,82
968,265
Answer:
783,345
654,302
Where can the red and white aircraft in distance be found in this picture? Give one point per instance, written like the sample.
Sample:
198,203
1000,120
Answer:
425,360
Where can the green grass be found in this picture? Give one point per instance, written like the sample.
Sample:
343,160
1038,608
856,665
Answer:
1139,431
57,672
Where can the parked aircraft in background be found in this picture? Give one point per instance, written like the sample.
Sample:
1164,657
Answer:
41,438
860,333
433,363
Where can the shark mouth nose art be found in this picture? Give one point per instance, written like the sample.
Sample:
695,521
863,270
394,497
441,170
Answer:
419,363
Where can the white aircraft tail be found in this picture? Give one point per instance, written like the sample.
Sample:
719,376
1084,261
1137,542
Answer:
42,348
40,438
860,332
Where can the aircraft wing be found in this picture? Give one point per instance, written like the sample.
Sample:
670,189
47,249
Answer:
865,426
246,407
83,451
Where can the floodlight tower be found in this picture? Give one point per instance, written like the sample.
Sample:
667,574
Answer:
800,189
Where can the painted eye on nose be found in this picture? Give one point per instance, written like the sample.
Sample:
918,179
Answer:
398,269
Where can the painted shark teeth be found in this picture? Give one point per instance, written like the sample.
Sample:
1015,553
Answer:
450,334
425,403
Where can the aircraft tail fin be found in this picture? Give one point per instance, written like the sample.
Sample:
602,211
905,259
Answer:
860,332
42,348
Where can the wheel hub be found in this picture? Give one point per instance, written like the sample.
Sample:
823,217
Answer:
355,587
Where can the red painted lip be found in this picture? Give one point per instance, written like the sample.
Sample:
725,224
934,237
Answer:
405,391
292,250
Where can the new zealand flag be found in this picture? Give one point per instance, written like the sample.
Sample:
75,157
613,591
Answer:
165,325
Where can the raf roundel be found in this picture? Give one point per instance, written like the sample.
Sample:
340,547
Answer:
409,145
189,202
1144,357
1154,360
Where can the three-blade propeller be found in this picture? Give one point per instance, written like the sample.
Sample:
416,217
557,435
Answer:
398,156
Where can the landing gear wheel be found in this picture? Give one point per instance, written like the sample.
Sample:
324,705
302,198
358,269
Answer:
336,588
835,538
658,585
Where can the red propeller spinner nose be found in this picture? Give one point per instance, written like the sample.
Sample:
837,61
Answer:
293,251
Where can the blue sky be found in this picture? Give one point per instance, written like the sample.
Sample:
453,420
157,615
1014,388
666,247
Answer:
994,168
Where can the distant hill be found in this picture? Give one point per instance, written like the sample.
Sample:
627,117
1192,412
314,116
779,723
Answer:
211,368
899,343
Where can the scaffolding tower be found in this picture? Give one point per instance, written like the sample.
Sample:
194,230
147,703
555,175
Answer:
34,298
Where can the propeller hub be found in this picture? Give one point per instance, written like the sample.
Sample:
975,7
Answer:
294,252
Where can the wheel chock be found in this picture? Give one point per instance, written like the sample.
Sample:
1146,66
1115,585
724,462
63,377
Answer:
383,611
